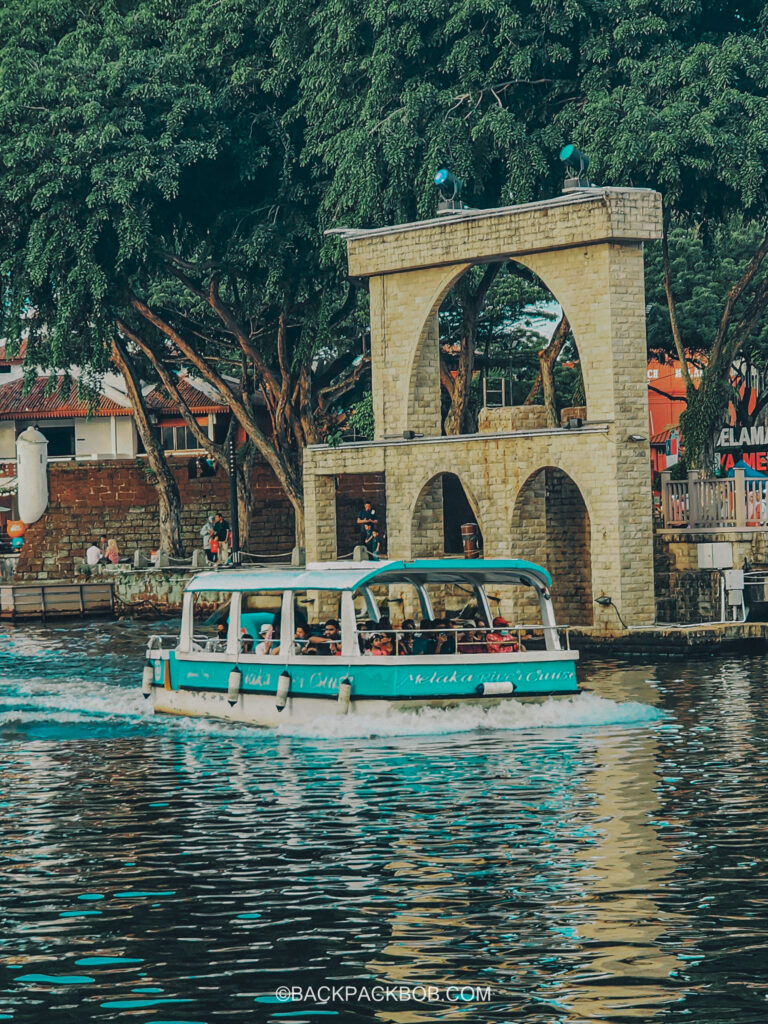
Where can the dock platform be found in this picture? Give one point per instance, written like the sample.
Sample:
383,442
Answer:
55,600
694,640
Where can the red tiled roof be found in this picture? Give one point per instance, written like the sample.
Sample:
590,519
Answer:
16,360
63,402
197,400
663,436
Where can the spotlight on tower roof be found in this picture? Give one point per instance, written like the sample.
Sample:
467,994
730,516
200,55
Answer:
450,189
577,162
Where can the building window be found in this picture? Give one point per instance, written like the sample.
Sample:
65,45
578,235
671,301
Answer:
61,441
178,439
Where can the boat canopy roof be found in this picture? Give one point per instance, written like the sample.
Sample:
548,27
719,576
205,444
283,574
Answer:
353,575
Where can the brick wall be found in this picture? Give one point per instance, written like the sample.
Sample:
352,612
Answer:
115,497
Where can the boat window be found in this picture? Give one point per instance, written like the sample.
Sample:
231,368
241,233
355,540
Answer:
317,622
260,622
210,619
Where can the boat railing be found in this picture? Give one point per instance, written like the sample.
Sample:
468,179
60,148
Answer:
162,641
520,633
475,637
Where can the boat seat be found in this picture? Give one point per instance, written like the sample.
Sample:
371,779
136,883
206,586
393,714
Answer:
252,622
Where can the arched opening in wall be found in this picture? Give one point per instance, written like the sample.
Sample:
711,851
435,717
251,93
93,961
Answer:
506,344
550,525
441,510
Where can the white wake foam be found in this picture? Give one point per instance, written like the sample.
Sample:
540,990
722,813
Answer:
581,711
70,701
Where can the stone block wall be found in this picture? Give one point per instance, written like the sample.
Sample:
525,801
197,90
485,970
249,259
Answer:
115,497
686,593
511,417
568,550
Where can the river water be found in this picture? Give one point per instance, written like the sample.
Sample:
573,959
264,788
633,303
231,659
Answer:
599,859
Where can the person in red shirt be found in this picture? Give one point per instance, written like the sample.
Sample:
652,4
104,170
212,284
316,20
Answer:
500,640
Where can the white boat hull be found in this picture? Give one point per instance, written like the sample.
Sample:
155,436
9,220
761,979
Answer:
259,709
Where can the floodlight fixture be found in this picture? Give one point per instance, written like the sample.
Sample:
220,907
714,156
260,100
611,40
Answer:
577,163
448,182
450,188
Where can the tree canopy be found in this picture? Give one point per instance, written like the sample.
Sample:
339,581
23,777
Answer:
168,169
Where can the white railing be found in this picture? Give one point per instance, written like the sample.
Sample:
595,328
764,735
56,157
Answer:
737,502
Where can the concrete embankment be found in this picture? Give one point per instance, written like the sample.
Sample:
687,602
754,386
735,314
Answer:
701,639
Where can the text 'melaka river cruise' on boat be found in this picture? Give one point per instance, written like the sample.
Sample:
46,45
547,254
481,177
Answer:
265,646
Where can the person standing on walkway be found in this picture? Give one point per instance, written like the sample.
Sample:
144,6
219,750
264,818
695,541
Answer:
221,533
206,532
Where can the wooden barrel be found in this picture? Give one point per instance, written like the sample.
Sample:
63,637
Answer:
470,540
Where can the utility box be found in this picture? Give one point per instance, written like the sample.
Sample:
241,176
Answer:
715,556
734,585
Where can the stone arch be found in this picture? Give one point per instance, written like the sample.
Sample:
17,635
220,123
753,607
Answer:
552,526
422,412
422,399
433,523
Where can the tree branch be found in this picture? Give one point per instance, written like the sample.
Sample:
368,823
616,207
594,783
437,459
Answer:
679,347
215,451
735,294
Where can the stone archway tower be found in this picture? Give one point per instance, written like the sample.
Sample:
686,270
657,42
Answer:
587,246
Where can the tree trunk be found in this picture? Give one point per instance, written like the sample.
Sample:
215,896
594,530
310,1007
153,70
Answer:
545,380
169,500
274,453
548,389
245,497
457,417
703,416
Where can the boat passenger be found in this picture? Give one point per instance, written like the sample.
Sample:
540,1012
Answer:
445,642
300,638
365,635
246,641
407,635
383,646
329,644
500,640
266,644
422,642
473,641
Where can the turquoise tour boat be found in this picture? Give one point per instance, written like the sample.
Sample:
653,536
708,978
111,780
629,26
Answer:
266,646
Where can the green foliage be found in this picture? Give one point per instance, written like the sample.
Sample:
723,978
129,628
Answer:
706,261
174,149
361,418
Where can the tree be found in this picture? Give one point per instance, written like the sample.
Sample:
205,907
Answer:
677,98
167,488
153,177
669,96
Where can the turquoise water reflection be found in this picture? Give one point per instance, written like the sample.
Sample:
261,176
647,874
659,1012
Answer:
596,860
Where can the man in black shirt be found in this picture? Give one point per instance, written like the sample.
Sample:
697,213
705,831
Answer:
367,517
221,533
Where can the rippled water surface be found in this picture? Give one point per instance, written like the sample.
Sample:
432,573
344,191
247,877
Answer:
599,859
